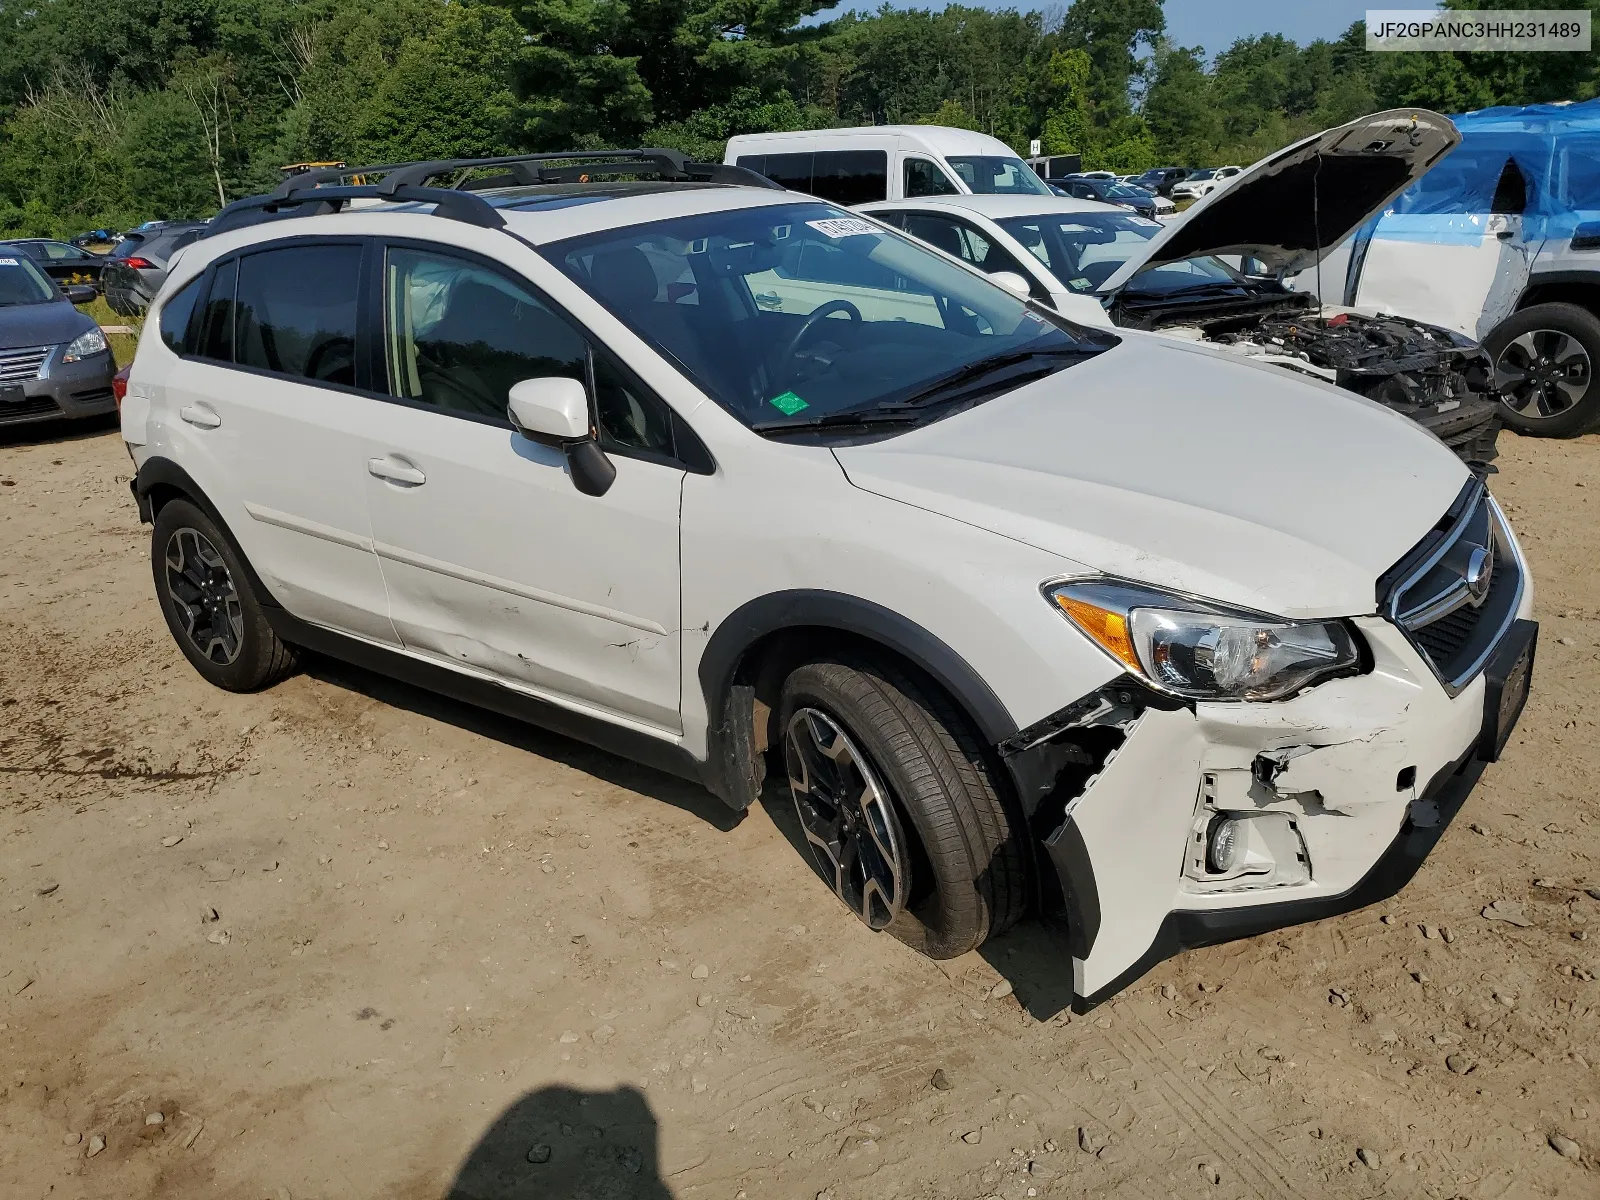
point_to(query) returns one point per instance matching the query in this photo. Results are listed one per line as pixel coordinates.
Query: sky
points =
(1217, 24)
(1213, 24)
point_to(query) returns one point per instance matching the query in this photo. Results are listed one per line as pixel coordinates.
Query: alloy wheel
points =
(204, 596)
(1543, 373)
(847, 817)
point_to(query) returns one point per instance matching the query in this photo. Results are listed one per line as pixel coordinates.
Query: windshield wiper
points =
(939, 389)
(867, 417)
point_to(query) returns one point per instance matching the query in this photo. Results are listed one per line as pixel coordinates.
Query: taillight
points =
(135, 263)
(119, 385)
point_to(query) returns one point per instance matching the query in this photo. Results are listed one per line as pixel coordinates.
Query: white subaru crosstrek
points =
(1029, 615)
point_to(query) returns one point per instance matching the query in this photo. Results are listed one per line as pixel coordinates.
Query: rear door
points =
(495, 562)
(269, 412)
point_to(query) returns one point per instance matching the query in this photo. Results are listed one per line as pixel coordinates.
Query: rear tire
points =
(902, 816)
(210, 607)
(1545, 359)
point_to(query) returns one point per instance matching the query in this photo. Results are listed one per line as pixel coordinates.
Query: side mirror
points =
(80, 293)
(555, 410)
(1012, 282)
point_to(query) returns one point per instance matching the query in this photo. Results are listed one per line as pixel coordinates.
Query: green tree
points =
(1113, 33)
(1067, 123)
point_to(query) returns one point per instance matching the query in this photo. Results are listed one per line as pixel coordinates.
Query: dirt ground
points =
(350, 941)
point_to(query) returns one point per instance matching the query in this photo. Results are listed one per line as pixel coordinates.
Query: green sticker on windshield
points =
(788, 404)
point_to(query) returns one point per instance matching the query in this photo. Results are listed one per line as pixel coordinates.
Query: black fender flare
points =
(157, 472)
(730, 747)
(1546, 279)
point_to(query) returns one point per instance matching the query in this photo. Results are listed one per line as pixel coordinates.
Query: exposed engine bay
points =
(1432, 375)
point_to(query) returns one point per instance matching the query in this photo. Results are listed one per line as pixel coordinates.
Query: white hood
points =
(1186, 468)
(1291, 208)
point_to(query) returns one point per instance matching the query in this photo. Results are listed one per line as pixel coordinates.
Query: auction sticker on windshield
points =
(842, 227)
(9, 262)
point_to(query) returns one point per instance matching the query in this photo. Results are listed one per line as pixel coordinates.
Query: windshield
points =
(1203, 173)
(1123, 192)
(784, 314)
(1083, 250)
(997, 175)
(21, 282)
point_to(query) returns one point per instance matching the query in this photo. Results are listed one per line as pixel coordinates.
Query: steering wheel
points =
(331, 358)
(784, 370)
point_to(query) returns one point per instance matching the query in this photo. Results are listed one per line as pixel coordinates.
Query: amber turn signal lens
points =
(1109, 629)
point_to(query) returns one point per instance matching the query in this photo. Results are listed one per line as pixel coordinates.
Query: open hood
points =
(1294, 206)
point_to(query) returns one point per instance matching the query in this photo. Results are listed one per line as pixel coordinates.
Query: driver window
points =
(459, 335)
(924, 178)
(296, 312)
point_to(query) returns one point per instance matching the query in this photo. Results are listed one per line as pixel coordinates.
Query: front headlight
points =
(85, 344)
(1205, 651)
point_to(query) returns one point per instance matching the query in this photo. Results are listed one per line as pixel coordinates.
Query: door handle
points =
(201, 415)
(396, 470)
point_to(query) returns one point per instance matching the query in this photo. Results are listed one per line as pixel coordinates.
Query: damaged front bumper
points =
(1337, 794)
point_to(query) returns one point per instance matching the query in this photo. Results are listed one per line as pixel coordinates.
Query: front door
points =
(494, 561)
(1454, 249)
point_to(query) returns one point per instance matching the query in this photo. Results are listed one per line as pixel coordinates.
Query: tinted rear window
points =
(296, 312)
(175, 314)
(216, 322)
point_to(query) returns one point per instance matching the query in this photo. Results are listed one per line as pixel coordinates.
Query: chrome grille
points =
(1458, 591)
(18, 365)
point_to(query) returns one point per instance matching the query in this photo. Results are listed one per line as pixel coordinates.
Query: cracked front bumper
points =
(1369, 771)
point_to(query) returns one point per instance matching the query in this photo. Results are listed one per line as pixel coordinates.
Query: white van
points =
(886, 162)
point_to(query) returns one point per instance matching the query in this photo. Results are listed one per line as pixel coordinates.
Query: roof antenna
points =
(1316, 223)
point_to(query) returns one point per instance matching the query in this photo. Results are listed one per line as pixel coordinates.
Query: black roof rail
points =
(304, 195)
(310, 200)
(565, 166)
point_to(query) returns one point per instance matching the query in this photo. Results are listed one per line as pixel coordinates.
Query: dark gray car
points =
(54, 361)
(137, 268)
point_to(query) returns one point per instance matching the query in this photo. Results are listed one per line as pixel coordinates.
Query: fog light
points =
(1224, 845)
(1233, 851)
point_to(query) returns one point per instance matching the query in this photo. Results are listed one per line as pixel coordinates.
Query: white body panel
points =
(1464, 272)
(497, 561)
(1106, 466)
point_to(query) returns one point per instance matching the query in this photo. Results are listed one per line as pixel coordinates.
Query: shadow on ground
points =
(61, 429)
(1033, 956)
(561, 1143)
(647, 781)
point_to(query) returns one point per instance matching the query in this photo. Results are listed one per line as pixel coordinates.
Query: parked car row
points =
(128, 276)
(1028, 612)
(134, 272)
(54, 361)
(1102, 259)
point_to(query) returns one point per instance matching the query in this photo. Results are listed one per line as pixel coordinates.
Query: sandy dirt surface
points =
(349, 940)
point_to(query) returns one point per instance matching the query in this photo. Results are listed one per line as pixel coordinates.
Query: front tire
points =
(1544, 367)
(211, 609)
(898, 806)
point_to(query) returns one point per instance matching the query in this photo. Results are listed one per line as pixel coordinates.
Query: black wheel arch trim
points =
(159, 472)
(1530, 298)
(731, 770)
